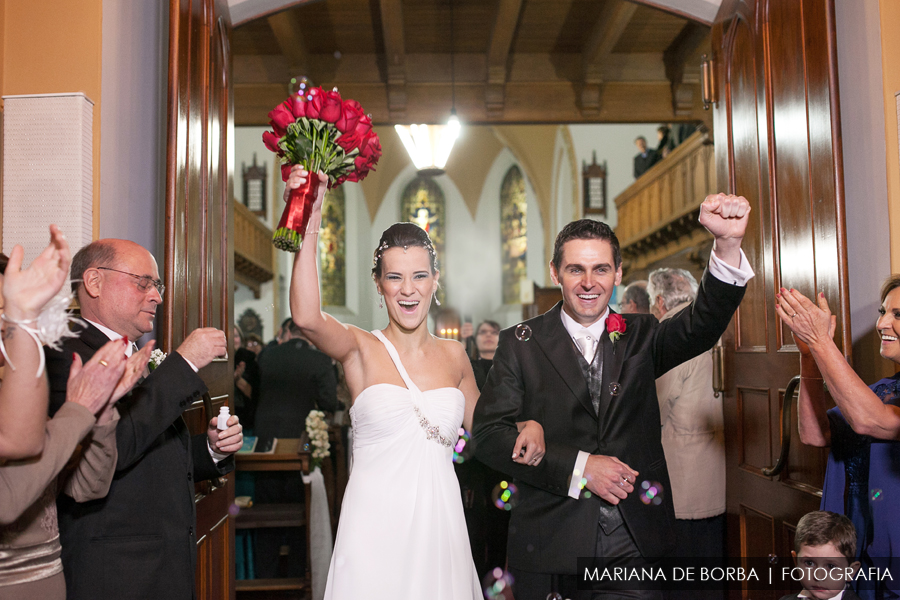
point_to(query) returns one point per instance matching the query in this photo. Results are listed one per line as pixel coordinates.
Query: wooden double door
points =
(199, 253)
(778, 143)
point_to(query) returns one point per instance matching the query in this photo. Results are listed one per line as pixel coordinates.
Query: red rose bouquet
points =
(321, 132)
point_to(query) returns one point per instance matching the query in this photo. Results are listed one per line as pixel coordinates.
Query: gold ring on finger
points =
(103, 362)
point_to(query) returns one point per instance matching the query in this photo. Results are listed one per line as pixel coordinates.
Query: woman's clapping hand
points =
(811, 324)
(26, 291)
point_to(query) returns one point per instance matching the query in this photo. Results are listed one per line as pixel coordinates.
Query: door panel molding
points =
(199, 264)
(777, 143)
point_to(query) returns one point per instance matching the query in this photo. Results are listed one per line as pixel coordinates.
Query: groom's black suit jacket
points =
(139, 541)
(540, 379)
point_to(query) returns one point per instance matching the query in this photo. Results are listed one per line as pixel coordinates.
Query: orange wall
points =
(51, 46)
(2, 37)
(890, 56)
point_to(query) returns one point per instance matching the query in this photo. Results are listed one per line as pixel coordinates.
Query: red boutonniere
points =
(615, 325)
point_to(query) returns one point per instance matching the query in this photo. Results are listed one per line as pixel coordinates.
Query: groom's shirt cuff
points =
(577, 474)
(725, 273)
(217, 457)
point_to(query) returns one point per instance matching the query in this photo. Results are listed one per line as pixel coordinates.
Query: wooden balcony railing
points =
(252, 249)
(658, 213)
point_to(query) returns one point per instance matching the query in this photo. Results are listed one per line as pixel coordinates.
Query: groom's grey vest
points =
(593, 374)
(610, 517)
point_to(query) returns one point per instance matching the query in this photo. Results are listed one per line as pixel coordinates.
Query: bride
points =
(402, 533)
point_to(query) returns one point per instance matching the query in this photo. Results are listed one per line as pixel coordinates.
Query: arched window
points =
(423, 204)
(332, 249)
(513, 229)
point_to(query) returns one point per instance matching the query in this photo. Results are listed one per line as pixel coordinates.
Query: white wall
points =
(479, 251)
(247, 142)
(134, 87)
(471, 272)
(615, 145)
(865, 175)
(564, 189)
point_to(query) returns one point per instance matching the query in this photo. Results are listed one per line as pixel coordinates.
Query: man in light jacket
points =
(693, 435)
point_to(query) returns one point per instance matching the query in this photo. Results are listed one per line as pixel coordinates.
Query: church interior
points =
(793, 105)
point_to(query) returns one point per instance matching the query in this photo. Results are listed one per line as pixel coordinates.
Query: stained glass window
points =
(332, 249)
(513, 229)
(423, 204)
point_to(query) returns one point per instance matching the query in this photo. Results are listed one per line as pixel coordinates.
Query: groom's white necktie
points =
(585, 343)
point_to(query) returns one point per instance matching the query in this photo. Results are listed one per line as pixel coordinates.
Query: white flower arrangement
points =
(318, 436)
(156, 358)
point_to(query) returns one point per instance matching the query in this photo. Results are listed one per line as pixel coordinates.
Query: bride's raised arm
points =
(327, 333)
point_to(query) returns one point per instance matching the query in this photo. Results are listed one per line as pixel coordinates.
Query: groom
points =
(588, 376)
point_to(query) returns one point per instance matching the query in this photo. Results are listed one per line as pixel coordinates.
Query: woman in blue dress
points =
(862, 479)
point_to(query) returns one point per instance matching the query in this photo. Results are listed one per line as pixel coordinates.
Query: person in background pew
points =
(635, 299)
(294, 380)
(488, 525)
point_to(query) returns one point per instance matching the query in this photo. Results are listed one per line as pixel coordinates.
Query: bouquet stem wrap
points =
(292, 226)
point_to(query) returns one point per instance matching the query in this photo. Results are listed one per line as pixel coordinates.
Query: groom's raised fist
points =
(725, 216)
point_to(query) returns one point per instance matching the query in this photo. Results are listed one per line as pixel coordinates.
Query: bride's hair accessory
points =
(49, 328)
(403, 235)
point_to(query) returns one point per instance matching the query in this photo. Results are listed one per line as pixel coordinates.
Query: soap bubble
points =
(651, 492)
(876, 495)
(234, 510)
(505, 496)
(464, 438)
(523, 332)
(497, 585)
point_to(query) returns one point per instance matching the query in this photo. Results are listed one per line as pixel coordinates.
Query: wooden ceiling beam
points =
(675, 59)
(498, 54)
(603, 38)
(395, 57)
(432, 68)
(287, 33)
(624, 102)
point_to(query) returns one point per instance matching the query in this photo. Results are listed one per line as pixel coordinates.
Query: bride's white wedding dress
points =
(402, 532)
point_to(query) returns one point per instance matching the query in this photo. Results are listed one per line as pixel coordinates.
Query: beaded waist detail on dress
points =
(432, 432)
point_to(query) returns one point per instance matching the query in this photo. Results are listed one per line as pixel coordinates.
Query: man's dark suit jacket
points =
(643, 162)
(541, 379)
(139, 541)
(294, 379)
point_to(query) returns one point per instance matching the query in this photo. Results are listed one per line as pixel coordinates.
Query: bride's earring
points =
(380, 301)
(436, 301)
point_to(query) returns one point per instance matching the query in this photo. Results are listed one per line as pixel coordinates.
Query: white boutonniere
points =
(156, 358)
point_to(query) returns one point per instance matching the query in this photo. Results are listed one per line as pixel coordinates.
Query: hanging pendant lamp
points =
(429, 146)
